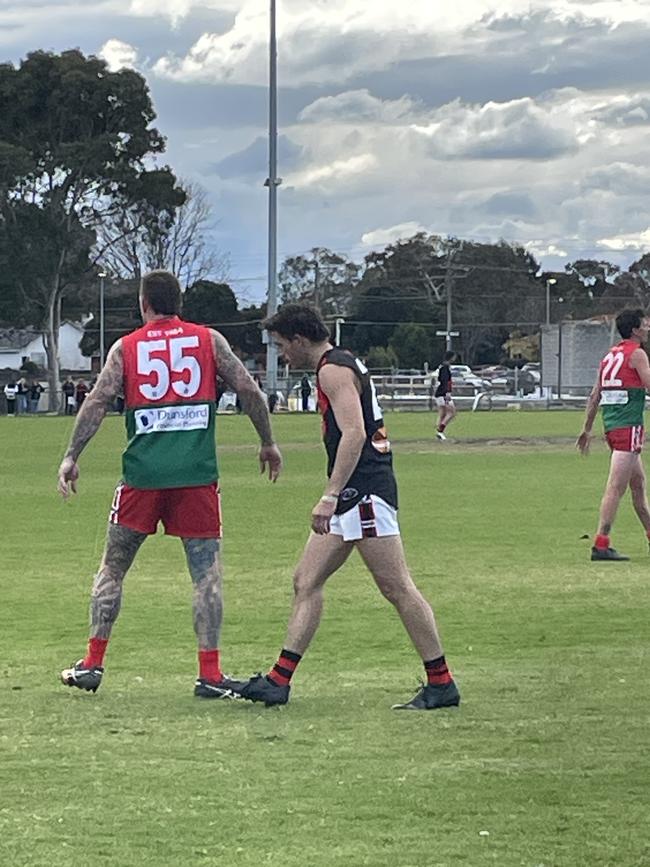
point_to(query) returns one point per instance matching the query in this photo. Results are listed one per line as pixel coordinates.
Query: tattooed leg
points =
(207, 604)
(122, 545)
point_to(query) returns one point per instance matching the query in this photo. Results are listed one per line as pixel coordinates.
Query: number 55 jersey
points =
(170, 402)
(622, 398)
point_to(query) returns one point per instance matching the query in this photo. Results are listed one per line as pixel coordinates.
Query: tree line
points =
(83, 193)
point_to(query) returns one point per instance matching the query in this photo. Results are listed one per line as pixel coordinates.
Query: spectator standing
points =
(305, 392)
(80, 393)
(11, 390)
(21, 397)
(68, 396)
(34, 393)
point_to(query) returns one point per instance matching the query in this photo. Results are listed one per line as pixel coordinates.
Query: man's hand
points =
(583, 442)
(68, 475)
(271, 456)
(322, 514)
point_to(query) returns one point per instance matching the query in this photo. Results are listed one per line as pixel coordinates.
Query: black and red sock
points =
(94, 657)
(601, 542)
(283, 670)
(209, 666)
(441, 428)
(437, 672)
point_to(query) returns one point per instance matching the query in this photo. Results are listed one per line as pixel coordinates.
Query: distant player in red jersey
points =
(358, 509)
(443, 395)
(620, 390)
(167, 371)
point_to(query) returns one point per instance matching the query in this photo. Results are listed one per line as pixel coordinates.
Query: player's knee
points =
(304, 582)
(396, 592)
(638, 487)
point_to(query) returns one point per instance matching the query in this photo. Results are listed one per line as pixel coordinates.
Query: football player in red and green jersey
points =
(167, 371)
(620, 391)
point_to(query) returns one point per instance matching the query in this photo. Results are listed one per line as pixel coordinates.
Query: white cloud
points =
(358, 106)
(337, 172)
(631, 241)
(119, 55)
(542, 249)
(177, 10)
(329, 41)
(383, 237)
(510, 130)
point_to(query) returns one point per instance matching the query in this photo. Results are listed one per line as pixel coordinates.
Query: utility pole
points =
(102, 330)
(272, 182)
(316, 284)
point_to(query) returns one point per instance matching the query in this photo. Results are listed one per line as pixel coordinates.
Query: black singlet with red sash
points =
(374, 472)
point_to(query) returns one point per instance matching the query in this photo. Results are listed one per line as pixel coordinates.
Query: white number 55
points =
(178, 363)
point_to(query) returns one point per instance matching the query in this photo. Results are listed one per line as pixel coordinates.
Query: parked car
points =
(464, 375)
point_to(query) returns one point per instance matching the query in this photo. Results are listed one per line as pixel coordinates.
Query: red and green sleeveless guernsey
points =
(622, 397)
(170, 398)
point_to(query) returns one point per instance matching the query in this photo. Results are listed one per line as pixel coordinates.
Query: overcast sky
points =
(485, 119)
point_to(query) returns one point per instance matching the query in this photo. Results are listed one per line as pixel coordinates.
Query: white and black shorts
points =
(370, 518)
(444, 400)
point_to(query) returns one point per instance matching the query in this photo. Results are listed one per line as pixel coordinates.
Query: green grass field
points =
(545, 763)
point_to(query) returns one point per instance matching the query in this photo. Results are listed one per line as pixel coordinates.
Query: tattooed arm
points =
(234, 374)
(91, 415)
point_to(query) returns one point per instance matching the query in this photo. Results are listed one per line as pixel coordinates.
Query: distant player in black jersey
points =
(444, 400)
(358, 509)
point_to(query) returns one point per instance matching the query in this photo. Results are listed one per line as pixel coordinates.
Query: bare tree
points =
(137, 241)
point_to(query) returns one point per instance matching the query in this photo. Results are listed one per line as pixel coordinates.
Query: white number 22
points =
(178, 363)
(612, 364)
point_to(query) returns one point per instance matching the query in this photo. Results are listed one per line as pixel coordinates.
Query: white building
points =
(20, 345)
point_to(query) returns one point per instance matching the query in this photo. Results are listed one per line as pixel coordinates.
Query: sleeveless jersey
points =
(170, 402)
(622, 397)
(374, 472)
(444, 381)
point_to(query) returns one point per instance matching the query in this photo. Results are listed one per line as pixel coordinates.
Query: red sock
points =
(94, 657)
(437, 671)
(601, 542)
(441, 428)
(209, 668)
(283, 670)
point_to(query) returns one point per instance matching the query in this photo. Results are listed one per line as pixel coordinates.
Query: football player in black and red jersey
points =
(358, 509)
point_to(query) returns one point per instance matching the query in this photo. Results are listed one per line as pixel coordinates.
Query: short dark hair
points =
(450, 355)
(628, 320)
(162, 292)
(293, 320)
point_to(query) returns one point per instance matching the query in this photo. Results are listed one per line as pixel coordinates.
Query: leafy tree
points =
(381, 357)
(402, 283)
(414, 280)
(323, 278)
(412, 345)
(74, 141)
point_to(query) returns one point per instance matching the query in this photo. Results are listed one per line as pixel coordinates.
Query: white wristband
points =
(329, 498)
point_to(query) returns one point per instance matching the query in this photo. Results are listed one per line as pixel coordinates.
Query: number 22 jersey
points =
(622, 397)
(170, 403)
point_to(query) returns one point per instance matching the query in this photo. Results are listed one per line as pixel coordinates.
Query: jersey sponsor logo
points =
(195, 416)
(614, 397)
(348, 494)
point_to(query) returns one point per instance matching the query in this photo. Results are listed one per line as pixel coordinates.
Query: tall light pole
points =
(102, 276)
(272, 182)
